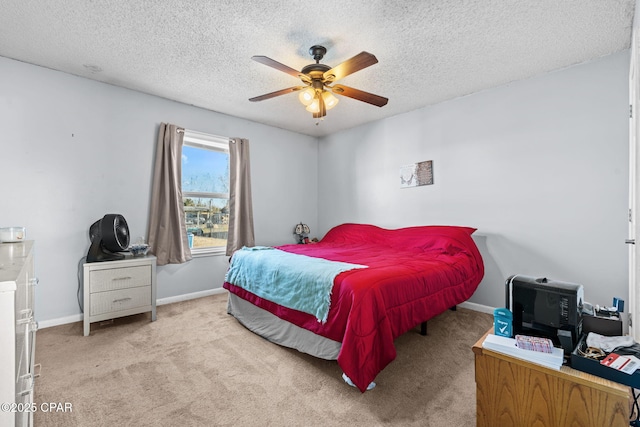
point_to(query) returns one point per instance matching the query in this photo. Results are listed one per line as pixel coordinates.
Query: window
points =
(205, 190)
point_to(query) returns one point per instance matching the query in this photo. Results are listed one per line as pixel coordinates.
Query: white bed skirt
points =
(281, 332)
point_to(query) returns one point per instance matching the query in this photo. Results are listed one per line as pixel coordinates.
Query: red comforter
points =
(414, 274)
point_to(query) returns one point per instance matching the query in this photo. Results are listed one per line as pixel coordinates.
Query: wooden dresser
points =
(17, 333)
(514, 392)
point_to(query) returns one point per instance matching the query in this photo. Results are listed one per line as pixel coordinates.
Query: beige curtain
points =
(240, 204)
(167, 228)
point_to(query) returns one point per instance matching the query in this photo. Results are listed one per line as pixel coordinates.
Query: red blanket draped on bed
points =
(414, 274)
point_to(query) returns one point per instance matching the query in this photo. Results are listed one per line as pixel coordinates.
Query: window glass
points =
(205, 190)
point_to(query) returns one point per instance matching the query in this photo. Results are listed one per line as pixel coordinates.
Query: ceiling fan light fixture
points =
(314, 107)
(307, 96)
(330, 101)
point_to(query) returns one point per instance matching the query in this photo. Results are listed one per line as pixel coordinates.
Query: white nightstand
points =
(119, 288)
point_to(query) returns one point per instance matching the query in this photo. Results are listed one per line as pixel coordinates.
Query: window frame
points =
(210, 142)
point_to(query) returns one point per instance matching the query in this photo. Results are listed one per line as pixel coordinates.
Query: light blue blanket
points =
(294, 281)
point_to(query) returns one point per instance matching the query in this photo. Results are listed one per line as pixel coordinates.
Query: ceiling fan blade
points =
(276, 93)
(350, 66)
(360, 95)
(275, 64)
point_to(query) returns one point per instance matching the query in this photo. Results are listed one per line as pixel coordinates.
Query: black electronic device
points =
(610, 326)
(545, 307)
(109, 236)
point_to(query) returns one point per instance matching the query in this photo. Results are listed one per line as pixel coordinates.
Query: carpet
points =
(197, 366)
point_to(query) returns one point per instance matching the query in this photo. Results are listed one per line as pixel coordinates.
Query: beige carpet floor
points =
(197, 366)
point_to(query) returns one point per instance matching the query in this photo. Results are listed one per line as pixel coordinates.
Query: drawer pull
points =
(26, 312)
(37, 367)
(122, 299)
(26, 317)
(121, 278)
(27, 378)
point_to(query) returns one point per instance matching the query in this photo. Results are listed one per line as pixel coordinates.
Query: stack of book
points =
(508, 346)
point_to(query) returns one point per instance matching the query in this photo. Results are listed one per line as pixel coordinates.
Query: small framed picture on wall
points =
(416, 174)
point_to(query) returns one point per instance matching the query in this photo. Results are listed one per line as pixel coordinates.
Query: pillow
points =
(428, 237)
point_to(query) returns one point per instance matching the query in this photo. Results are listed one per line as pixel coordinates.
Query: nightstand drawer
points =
(118, 300)
(119, 278)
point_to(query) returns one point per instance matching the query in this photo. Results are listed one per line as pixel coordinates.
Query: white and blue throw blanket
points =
(294, 281)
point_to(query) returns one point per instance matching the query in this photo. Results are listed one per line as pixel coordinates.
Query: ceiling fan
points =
(318, 80)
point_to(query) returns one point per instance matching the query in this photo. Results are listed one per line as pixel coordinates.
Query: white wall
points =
(73, 149)
(540, 167)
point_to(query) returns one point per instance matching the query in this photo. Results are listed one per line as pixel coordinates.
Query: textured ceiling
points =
(199, 51)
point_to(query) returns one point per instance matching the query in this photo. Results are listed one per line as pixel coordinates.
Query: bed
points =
(381, 283)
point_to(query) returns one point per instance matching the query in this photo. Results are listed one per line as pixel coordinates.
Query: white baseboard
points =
(477, 307)
(194, 295)
(60, 321)
(185, 297)
(168, 300)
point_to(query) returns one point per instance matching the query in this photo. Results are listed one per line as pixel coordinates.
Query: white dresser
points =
(119, 288)
(17, 333)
